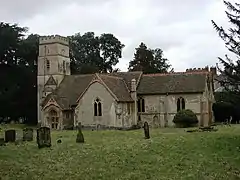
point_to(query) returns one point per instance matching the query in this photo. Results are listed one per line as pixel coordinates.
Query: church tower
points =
(53, 65)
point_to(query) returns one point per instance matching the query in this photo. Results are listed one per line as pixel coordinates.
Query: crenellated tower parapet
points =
(53, 39)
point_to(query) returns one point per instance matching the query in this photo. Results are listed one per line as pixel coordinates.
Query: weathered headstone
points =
(27, 134)
(80, 138)
(43, 137)
(146, 130)
(2, 142)
(10, 135)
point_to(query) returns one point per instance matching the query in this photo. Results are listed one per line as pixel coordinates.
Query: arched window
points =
(53, 118)
(180, 104)
(97, 107)
(141, 105)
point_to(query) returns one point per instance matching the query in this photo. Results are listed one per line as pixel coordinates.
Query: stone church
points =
(119, 99)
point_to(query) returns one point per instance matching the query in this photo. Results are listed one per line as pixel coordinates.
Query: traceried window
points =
(180, 104)
(141, 105)
(97, 107)
(53, 118)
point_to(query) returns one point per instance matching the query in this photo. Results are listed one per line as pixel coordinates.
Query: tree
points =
(111, 51)
(11, 36)
(149, 60)
(84, 53)
(160, 63)
(18, 73)
(91, 54)
(231, 38)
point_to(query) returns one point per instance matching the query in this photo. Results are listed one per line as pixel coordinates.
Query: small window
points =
(180, 104)
(64, 66)
(97, 107)
(141, 105)
(47, 64)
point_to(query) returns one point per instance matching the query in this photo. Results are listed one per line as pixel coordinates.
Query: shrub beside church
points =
(185, 118)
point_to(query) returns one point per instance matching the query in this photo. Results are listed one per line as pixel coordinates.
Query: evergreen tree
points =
(231, 37)
(149, 60)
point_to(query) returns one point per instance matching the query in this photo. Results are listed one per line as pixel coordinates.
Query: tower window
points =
(180, 104)
(64, 67)
(97, 107)
(47, 64)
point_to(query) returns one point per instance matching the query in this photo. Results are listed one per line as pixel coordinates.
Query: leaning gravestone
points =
(27, 134)
(10, 135)
(80, 138)
(43, 137)
(146, 130)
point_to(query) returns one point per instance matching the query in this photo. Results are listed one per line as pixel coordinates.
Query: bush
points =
(185, 118)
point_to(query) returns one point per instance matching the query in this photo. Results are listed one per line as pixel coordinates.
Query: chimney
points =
(133, 85)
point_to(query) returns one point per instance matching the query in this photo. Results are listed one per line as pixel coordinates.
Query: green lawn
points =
(169, 154)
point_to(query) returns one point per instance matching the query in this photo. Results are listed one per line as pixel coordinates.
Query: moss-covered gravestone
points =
(146, 130)
(80, 138)
(43, 137)
(10, 135)
(27, 134)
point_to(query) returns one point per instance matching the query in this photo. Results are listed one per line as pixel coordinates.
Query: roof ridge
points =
(130, 72)
(175, 73)
(82, 74)
(114, 77)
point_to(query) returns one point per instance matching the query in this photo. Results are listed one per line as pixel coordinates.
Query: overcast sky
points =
(182, 28)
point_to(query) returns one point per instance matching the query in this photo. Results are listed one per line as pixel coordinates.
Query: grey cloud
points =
(182, 30)
(12, 11)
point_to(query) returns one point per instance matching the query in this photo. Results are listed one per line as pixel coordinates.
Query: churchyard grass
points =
(168, 154)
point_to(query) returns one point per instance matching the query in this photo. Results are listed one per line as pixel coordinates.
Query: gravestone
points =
(10, 135)
(146, 130)
(80, 138)
(2, 142)
(27, 134)
(43, 137)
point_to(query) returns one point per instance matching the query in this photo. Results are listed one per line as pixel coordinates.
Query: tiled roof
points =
(70, 89)
(118, 87)
(119, 84)
(128, 76)
(172, 83)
